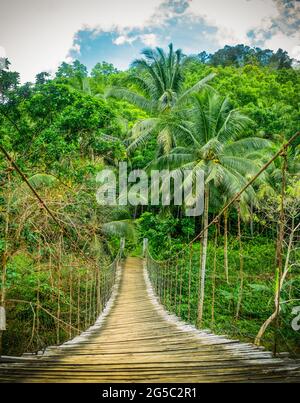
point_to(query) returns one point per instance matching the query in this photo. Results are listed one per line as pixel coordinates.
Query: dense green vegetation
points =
(227, 114)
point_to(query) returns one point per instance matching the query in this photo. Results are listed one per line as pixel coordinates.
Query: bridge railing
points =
(55, 279)
(77, 298)
(169, 280)
(218, 281)
(237, 304)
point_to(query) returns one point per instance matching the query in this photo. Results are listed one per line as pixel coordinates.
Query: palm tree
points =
(213, 144)
(158, 80)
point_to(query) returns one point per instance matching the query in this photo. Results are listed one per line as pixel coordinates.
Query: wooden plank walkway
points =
(136, 341)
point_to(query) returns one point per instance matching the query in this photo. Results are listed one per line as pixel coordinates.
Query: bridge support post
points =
(122, 245)
(145, 246)
(2, 325)
(2, 319)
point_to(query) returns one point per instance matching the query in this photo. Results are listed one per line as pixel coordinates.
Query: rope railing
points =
(220, 285)
(236, 305)
(54, 280)
(88, 293)
(167, 280)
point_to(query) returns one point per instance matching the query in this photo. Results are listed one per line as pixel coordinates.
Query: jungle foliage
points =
(226, 112)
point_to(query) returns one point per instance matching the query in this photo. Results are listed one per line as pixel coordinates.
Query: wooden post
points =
(90, 295)
(70, 300)
(78, 302)
(94, 295)
(4, 260)
(145, 246)
(122, 246)
(203, 259)
(180, 291)
(86, 300)
(165, 282)
(2, 318)
(59, 287)
(99, 307)
(38, 287)
(279, 248)
(190, 283)
(176, 285)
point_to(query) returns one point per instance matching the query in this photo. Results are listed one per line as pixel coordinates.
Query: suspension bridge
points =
(136, 340)
(127, 323)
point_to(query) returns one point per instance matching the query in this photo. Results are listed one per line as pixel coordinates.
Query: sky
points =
(37, 35)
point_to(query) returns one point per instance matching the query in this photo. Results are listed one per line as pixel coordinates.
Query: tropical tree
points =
(213, 143)
(158, 89)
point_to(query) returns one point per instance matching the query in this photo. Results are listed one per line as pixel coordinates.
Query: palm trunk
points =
(214, 278)
(240, 297)
(203, 257)
(279, 249)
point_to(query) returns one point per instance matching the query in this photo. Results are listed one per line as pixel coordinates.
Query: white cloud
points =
(2, 57)
(295, 52)
(227, 36)
(38, 34)
(282, 41)
(122, 39)
(2, 52)
(235, 17)
(149, 39)
(76, 48)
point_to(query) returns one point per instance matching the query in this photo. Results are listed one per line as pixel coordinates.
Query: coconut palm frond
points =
(139, 140)
(165, 139)
(172, 160)
(143, 126)
(233, 125)
(246, 145)
(195, 88)
(240, 164)
(131, 97)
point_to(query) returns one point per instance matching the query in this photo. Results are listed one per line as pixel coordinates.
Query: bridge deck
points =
(137, 342)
